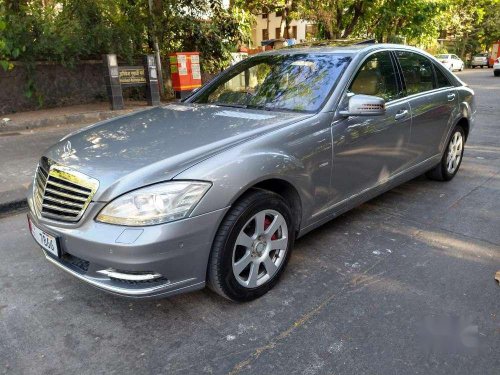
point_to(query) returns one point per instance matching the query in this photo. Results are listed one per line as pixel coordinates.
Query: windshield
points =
(295, 82)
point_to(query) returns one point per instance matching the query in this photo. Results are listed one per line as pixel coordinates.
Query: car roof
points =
(339, 48)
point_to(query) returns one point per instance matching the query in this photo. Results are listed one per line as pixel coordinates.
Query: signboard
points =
(117, 77)
(132, 75)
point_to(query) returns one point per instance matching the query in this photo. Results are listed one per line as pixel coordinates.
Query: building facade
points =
(268, 26)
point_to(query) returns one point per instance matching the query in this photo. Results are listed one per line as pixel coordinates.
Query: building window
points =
(279, 13)
(264, 15)
(311, 31)
(294, 32)
(278, 32)
(265, 34)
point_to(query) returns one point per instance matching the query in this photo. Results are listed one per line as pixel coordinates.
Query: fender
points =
(306, 166)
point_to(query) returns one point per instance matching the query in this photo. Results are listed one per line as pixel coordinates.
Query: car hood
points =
(156, 144)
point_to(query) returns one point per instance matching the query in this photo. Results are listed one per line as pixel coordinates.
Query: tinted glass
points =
(442, 80)
(376, 77)
(417, 72)
(297, 82)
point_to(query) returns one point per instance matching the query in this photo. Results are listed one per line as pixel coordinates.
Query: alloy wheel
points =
(454, 152)
(260, 248)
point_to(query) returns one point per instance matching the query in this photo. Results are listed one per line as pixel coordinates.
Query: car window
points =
(442, 80)
(376, 77)
(295, 82)
(417, 72)
(443, 57)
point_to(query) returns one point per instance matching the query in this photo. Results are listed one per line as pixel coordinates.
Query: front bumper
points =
(99, 253)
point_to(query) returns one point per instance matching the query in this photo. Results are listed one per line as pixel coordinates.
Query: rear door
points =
(432, 99)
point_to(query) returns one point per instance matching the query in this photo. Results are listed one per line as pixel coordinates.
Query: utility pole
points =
(156, 48)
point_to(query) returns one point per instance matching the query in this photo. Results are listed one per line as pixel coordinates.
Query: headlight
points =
(154, 204)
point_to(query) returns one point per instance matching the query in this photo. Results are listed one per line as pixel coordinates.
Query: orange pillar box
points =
(185, 72)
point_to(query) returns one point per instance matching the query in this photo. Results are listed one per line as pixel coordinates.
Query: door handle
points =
(401, 114)
(451, 97)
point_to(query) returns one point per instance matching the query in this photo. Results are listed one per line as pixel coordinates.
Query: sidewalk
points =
(76, 114)
(25, 136)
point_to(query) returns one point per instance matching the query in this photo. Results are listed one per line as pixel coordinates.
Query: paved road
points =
(359, 295)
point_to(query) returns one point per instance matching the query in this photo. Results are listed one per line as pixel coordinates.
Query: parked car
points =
(480, 60)
(451, 62)
(215, 190)
(496, 67)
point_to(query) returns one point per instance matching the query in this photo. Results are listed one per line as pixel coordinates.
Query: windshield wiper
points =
(230, 105)
(261, 107)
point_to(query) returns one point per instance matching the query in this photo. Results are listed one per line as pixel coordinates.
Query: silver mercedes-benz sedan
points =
(215, 190)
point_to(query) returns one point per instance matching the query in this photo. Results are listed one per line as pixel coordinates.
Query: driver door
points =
(369, 150)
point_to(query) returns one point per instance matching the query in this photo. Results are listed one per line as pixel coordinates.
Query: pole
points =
(156, 48)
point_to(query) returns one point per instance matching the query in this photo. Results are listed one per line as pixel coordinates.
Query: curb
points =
(12, 201)
(7, 208)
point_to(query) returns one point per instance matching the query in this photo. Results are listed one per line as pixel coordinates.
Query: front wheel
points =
(252, 247)
(452, 158)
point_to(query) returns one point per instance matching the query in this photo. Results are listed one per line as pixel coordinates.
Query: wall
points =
(57, 84)
(62, 86)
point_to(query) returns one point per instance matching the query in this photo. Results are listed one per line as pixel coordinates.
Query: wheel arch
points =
(281, 187)
(286, 190)
(464, 123)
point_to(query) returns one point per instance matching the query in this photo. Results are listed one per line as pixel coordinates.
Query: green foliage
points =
(203, 26)
(471, 24)
(66, 31)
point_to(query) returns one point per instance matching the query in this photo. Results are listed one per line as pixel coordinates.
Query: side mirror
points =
(364, 105)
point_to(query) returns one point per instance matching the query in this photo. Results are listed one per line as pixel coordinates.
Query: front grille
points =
(61, 193)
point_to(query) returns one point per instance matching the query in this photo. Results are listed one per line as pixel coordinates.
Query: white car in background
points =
(496, 67)
(451, 62)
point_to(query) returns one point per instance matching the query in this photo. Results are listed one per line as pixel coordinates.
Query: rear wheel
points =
(452, 158)
(252, 247)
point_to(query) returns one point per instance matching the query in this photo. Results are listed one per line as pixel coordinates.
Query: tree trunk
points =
(358, 10)
(464, 44)
(285, 20)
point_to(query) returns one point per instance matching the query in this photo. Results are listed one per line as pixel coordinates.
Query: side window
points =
(417, 72)
(376, 77)
(442, 80)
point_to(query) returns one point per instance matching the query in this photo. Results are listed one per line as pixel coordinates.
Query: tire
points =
(454, 150)
(242, 265)
(497, 73)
